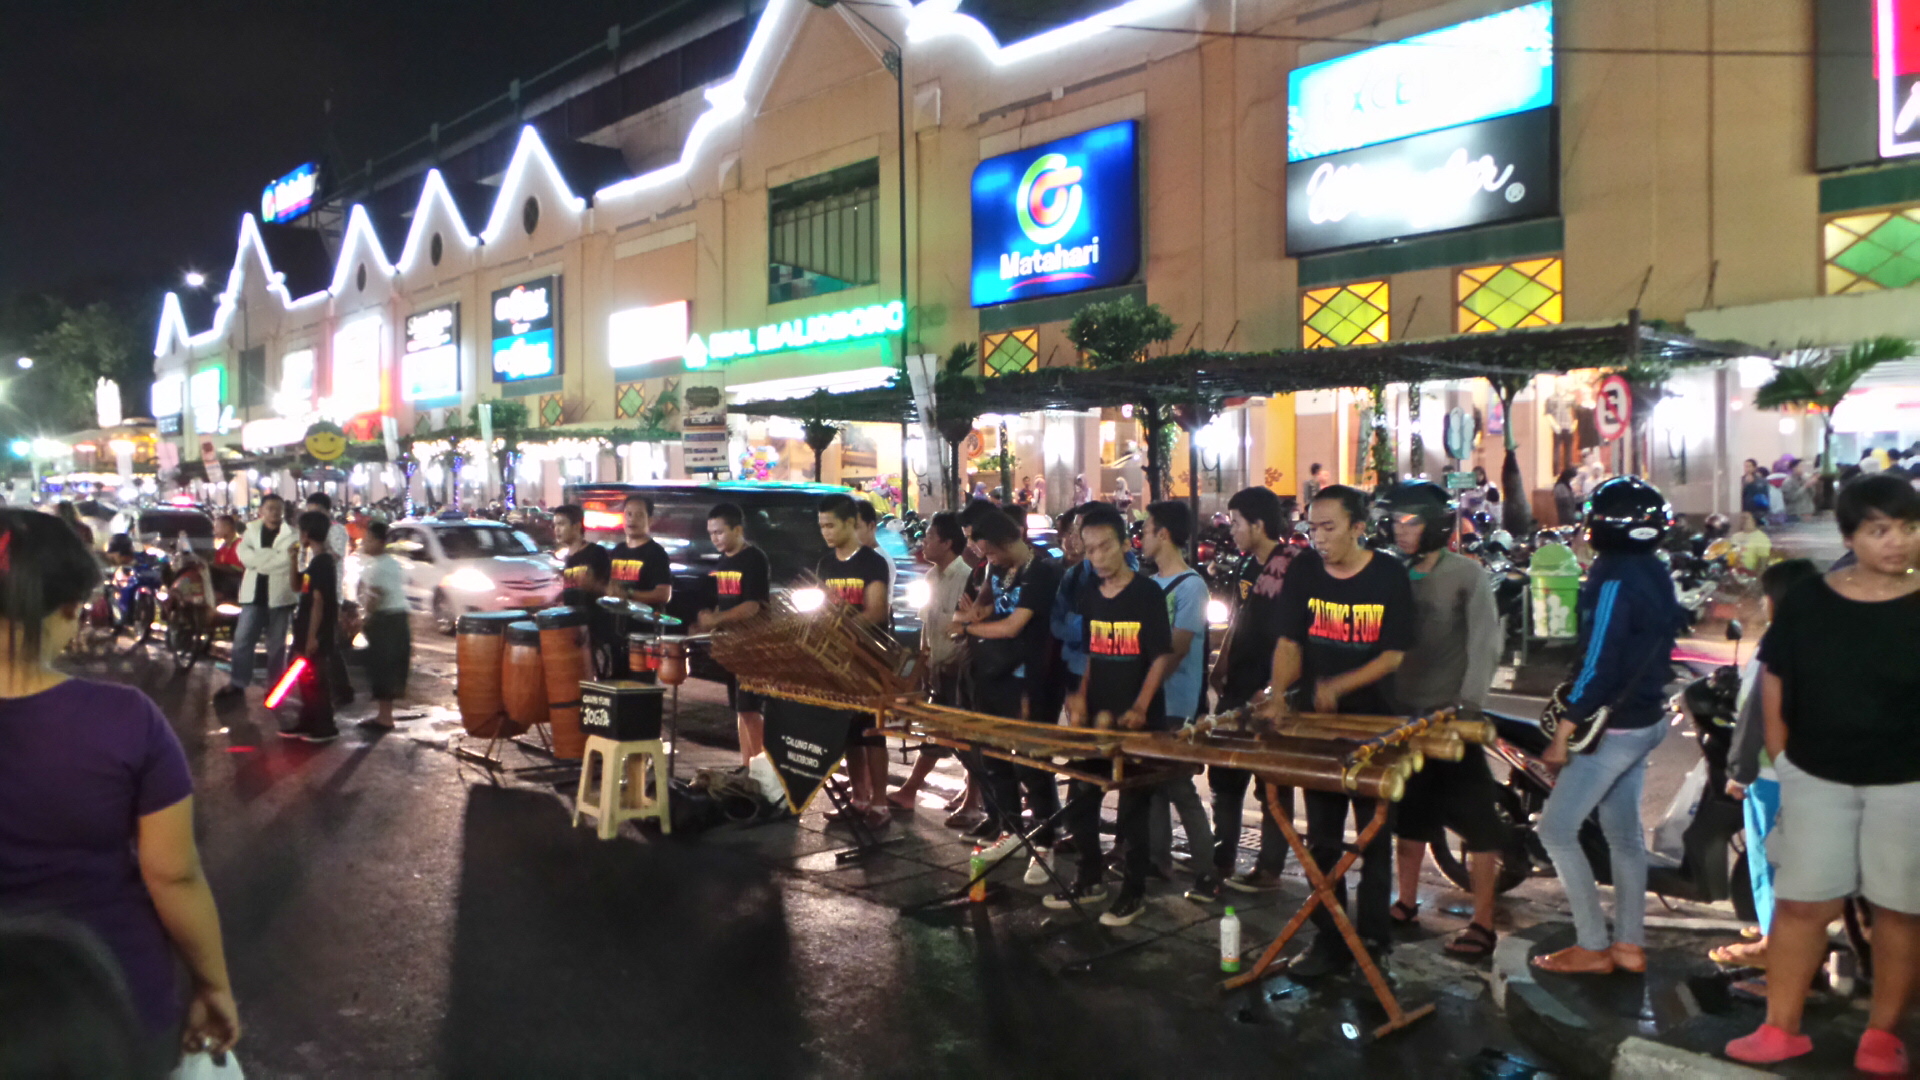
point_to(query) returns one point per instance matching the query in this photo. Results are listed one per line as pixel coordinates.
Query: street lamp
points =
(195, 279)
(25, 362)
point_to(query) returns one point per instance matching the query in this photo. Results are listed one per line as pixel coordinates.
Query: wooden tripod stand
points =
(1323, 896)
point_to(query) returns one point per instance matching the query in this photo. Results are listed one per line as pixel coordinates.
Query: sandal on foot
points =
(1745, 954)
(1574, 960)
(1473, 943)
(1403, 913)
(1768, 1045)
(1881, 1053)
(1631, 959)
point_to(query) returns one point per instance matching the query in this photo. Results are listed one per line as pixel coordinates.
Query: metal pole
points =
(1193, 468)
(900, 109)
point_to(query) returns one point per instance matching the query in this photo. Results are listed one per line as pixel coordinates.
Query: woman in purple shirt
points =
(96, 804)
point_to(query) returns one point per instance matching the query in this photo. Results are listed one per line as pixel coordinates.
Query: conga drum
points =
(643, 657)
(524, 690)
(479, 648)
(673, 664)
(568, 661)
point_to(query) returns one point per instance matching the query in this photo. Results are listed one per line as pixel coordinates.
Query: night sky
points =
(134, 133)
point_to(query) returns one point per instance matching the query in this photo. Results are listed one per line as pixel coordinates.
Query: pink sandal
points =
(1769, 1045)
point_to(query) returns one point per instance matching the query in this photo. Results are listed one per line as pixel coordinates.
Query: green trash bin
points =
(1556, 592)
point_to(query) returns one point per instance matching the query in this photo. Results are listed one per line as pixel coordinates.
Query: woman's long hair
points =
(43, 567)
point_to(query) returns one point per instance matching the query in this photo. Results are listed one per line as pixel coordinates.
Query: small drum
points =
(673, 665)
(643, 657)
(480, 648)
(568, 660)
(524, 688)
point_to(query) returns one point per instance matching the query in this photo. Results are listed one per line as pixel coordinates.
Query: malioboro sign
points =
(850, 325)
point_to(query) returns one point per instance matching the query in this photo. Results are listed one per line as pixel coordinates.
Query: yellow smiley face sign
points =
(326, 442)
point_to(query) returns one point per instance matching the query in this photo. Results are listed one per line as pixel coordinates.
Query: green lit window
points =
(1866, 252)
(1509, 295)
(1353, 314)
(1010, 352)
(821, 233)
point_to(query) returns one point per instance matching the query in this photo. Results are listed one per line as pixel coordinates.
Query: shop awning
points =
(1213, 377)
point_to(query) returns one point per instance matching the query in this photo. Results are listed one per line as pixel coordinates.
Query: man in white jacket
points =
(267, 596)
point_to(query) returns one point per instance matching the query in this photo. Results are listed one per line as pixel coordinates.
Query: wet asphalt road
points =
(390, 910)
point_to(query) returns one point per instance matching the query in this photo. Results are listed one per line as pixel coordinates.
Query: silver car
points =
(455, 566)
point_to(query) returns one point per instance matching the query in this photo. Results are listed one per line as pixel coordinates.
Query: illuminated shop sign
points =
(168, 393)
(291, 195)
(1471, 71)
(1896, 70)
(804, 333)
(356, 369)
(207, 396)
(430, 359)
(1056, 218)
(1477, 174)
(526, 330)
(648, 335)
(295, 395)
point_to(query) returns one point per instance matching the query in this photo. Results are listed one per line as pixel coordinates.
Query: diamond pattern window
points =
(1010, 352)
(1506, 296)
(1868, 252)
(1352, 314)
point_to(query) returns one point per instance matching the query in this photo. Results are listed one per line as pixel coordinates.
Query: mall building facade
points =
(1273, 175)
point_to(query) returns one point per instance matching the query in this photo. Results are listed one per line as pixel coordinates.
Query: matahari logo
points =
(1048, 202)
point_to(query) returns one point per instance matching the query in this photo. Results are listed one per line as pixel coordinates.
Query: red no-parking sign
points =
(1613, 410)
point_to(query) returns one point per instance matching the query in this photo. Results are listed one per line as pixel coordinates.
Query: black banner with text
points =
(806, 743)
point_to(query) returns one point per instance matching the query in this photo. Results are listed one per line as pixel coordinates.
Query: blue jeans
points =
(246, 634)
(1611, 779)
(1762, 807)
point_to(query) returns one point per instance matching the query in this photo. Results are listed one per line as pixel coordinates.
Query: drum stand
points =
(1323, 896)
(493, 763)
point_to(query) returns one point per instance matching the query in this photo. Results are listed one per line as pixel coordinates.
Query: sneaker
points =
(1001, 848)
(985, 829)
(964, 819)
(1206, 890)
(1126, 908)
(1327, 955)
(1077, 893)
(1255, 881)
(320, 735)
(1037, 870)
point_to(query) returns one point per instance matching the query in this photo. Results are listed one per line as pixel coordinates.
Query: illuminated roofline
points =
(727, 101)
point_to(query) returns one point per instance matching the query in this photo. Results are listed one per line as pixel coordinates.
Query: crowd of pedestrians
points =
(1359, 607)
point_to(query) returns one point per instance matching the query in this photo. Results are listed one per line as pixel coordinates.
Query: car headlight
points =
(468, 579)
(919, 594)
(808, 599)
(1217, 613)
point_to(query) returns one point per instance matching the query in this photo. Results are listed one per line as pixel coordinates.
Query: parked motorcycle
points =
(1699, 850)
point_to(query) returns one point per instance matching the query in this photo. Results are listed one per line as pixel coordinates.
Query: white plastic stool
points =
(607, 806)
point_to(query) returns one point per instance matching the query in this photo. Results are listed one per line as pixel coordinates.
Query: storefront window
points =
(1010, 352)
(1509, 295)
(1351, 314)
(1867, 252)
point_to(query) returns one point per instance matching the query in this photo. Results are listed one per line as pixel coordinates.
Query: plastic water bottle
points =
(977, 871)
(1230, 942)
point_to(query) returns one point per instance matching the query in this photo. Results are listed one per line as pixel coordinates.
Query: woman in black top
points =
(1841, 701)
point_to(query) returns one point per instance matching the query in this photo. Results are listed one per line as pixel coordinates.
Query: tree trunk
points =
(1516, 514)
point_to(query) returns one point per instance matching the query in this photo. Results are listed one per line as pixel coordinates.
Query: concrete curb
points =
(1638, 1058)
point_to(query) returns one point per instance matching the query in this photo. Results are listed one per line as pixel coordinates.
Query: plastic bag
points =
(205, 1066)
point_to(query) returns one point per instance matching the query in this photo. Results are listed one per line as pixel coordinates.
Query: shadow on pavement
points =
(572, 956)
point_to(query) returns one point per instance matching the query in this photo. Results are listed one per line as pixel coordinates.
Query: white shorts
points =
(1836, 840)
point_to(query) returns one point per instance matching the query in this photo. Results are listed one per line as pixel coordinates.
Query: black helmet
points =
(1432, 503)
(1627, 514)
(121, 544)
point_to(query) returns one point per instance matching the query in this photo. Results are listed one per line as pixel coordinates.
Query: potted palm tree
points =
(1820, 379)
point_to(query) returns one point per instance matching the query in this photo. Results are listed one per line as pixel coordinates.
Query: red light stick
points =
(279, 691)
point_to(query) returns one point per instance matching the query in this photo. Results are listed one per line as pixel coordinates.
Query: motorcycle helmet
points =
(1431, 503)
(1627, 514)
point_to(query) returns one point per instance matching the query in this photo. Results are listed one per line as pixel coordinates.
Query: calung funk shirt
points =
(1344, 623)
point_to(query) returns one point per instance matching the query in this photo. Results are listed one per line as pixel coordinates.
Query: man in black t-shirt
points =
(1259, 526)
(741, 586)
(1346, 622)
(1129, 642)
(640, 570)
(315, 630)
(1010, 662)
(585, 566)
(859, 577)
